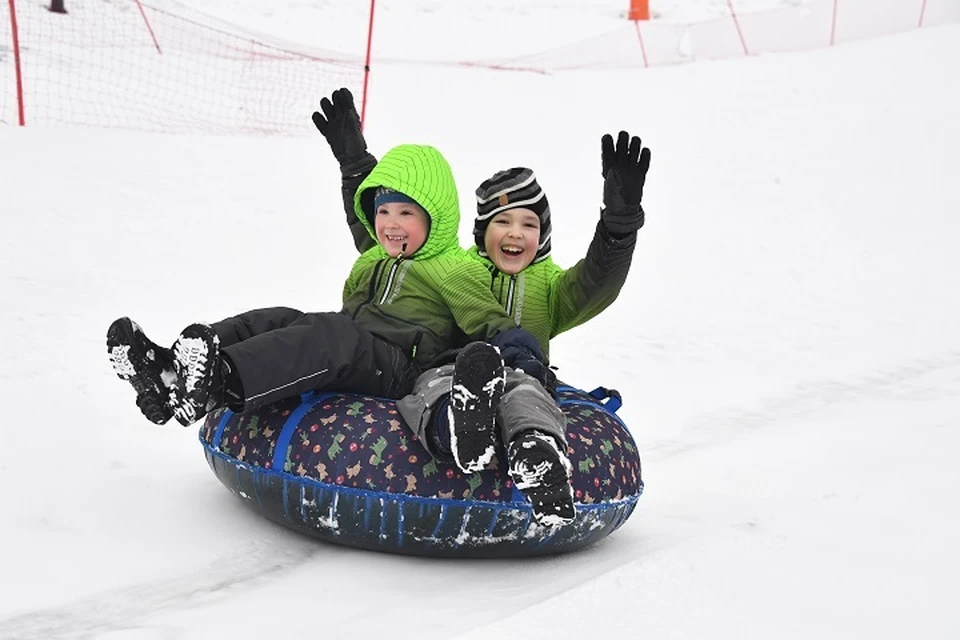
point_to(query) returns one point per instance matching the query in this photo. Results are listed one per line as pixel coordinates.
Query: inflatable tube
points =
(344, 469)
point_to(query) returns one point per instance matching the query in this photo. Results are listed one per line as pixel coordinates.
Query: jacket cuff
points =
(358, 167)
(614, 240)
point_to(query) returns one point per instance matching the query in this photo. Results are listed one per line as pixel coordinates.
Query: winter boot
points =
(197, 362)
(146, 366)
(437, 431)
(541, 471)
(476, 391)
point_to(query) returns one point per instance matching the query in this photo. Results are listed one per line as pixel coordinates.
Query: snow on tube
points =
(343, 468)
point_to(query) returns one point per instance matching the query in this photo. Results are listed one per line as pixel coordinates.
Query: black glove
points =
(340, 125)
(624, 173)
(520, 350)
(531, 366)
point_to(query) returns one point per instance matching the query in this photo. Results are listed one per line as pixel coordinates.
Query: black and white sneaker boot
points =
(476, 391)
(147, 367)
(542, 472)
(196, 360)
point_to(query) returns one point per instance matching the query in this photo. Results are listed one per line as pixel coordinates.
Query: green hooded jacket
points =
(547, 300)
(433, 299)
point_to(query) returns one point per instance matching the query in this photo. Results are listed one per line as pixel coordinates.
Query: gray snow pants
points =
(525, 405)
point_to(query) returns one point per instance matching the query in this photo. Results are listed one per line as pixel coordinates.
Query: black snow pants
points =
(280, 352)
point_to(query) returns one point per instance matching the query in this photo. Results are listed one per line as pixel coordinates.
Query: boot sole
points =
(121, 336)
(478, 384)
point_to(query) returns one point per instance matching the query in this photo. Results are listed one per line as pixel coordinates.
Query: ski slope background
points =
(787, 344)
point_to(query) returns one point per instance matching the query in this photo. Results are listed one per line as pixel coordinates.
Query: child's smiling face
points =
(401, 227)
(512, 238)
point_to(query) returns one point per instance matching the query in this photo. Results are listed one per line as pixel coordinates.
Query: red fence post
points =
(833, 24)
(366, 67)
(153, 37)
(643, 49)
(736, 23)
(16, 62)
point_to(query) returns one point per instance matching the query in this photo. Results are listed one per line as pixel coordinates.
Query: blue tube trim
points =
(286, 433)
(464, 521)
(303, 503)
(595, 405)
(218, 434)
(383, 519)
(443, 516)
(493, 521)
(400, 526)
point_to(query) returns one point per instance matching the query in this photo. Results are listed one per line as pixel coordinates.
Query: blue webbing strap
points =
(613, 398)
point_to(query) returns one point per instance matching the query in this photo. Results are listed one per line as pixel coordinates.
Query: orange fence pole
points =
(639, 9)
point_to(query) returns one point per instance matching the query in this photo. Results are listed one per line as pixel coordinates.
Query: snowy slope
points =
(786, 344)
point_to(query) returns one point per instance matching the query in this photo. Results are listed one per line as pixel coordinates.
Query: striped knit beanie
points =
(512, 189)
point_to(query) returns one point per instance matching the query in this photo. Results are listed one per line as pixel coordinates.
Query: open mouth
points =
(511, 251)
(393, 238)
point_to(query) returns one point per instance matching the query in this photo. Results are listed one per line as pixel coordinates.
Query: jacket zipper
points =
(494, 277)
(390, 278)
(510, 294)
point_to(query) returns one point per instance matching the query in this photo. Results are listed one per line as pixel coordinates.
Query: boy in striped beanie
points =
(511, 195)
(512, 236)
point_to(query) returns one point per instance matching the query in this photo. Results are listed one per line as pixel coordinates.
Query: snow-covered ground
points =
(788, 346)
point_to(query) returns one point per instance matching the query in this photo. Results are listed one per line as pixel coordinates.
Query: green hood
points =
(418, 171)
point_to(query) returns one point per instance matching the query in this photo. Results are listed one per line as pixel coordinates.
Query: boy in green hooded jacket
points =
(450, 408)
(409, 297)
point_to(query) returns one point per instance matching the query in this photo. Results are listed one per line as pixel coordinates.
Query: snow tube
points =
(344, 469)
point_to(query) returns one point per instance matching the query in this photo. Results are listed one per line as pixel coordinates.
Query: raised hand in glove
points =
(340, 125)
(624, 173)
